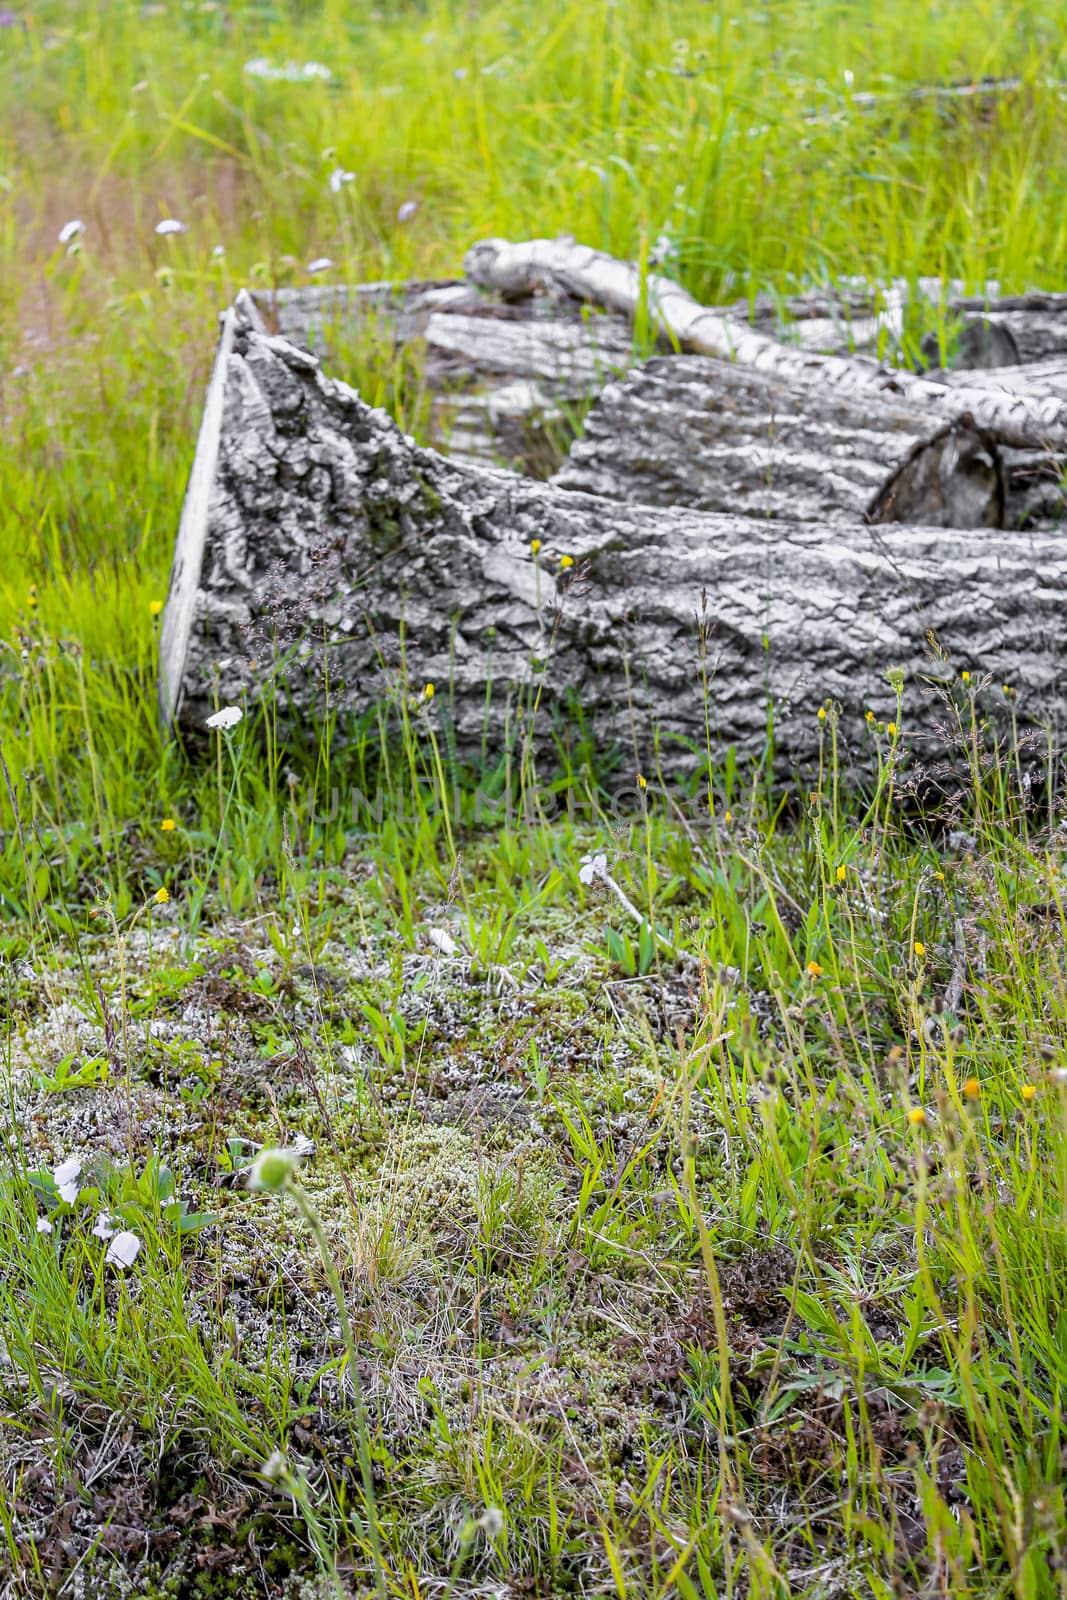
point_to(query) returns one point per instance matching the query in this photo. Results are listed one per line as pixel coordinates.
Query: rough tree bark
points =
(336, 550)
(693, 431)
(1027, 421)
(506, 381)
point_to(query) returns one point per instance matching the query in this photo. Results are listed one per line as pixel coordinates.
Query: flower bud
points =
(271, 1170)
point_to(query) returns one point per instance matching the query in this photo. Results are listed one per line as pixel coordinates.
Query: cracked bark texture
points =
(509, 377)
(508, 381)
(335, 548)
(1025, 421)
(693, 431)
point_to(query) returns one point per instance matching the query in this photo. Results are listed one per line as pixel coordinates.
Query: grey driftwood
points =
(337, 564)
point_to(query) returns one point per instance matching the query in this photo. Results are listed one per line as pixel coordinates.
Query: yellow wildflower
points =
(727, 816)
(161, 897)
(155, 607)
(869, 715)
(917, 1116)
(1028, 1092)
(642, 781)
(891, 729)
(842, 873)
(814, 970)
(566, 561)
(168, 824)
(429, 692)
(535, 546)
(972, 1089)
(920, 949)
(821, 713)
(966, 677)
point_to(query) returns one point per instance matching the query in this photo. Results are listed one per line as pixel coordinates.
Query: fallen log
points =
(854, 315)
(693, 431)
(332, 564)
(1028, 421)
(507, 381)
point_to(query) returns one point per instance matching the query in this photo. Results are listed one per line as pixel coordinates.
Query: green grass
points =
(751, 1266)
(717, 1260)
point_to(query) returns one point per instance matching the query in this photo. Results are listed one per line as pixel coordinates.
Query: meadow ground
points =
(728, 1258)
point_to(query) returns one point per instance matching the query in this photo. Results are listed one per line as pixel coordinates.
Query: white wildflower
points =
(104, 1226)
(593, 867)
(407, 211)
(219, 251)
(66, 1179)
(123, 1249)
(291, 72)
(338, 178)
(275, 1467)
(170, 225)
(70, 230)
(228, 717)
(43, 1225)
(320, 264)
(491, 1522)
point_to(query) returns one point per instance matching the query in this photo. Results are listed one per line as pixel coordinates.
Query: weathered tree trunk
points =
(1028, 421)
(506, 380)
(506, 383)
(339, 564)
(693, 431)
(855, 315)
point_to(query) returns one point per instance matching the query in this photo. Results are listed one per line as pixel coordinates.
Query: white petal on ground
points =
(320, 264)
(70, 230)
(170, 225)
(123, 1249)
(407, 211)
(443, 942)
